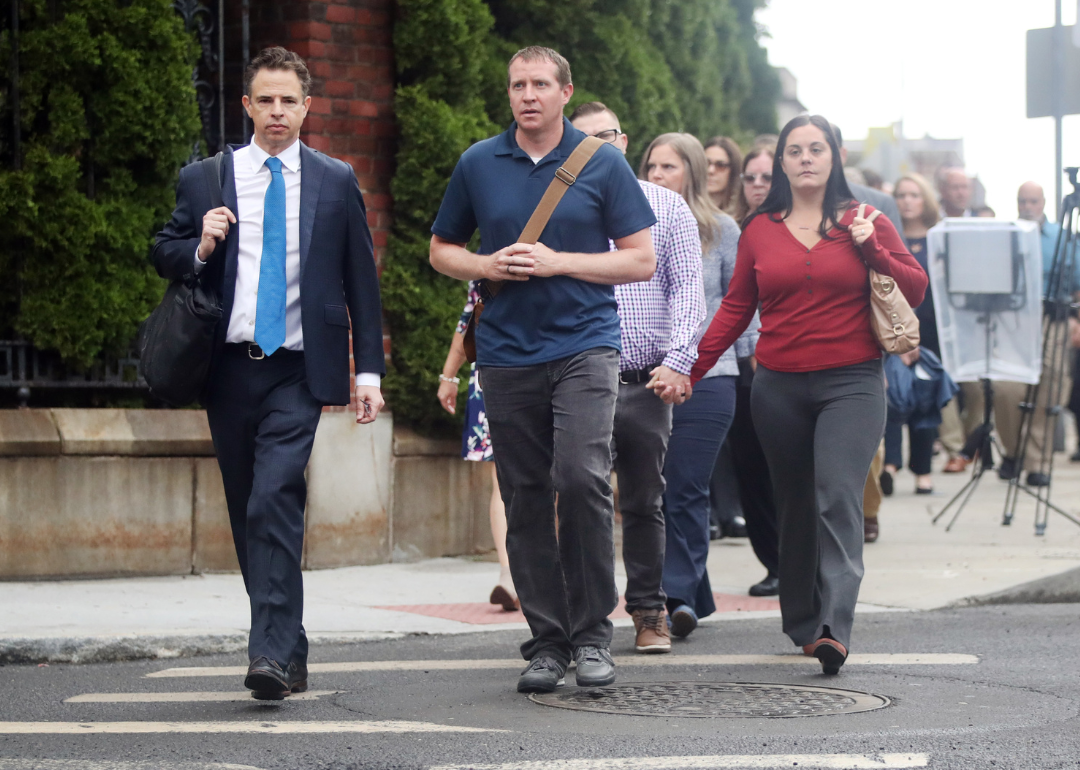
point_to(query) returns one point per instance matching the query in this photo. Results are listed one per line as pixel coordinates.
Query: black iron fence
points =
(25, 368)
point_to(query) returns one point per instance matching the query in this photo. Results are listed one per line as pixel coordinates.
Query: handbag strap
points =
(861, 213)
(565, 176)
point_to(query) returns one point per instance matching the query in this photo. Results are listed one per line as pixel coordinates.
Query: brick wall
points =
(347, 45)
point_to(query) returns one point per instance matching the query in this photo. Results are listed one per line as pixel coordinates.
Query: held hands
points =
(369, 402)
(669, 385)
(861, 229)
(215, 228)
(519, 261)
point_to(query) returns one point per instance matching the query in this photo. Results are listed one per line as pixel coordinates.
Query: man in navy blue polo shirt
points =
(548, 354)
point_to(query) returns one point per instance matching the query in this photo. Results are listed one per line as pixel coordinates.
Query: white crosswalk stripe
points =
(262, 728)
(91, 764)
(184, 697)
(846, 761)
(636, 661)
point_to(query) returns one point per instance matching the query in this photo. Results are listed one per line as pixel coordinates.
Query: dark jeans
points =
(820, 431)
(698, 428)
(263, 419)
(551, 426)
(639, 443)
(755, 483)
(920, 449)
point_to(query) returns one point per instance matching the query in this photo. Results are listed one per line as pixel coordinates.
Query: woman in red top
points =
(819, 395)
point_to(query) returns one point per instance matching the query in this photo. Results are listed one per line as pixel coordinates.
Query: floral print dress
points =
(476, 439)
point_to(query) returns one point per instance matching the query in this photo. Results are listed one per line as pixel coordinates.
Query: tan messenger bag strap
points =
(565, 176)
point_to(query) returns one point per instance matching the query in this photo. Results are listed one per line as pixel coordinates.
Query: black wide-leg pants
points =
(263, 420)
(820, 431)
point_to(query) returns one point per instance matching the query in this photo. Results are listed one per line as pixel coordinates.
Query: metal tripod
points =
(1055, 358)
(981, 440)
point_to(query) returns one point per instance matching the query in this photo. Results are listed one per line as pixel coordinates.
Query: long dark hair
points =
(838, 195)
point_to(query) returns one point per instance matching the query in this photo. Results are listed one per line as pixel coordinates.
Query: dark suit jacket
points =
(337, 267)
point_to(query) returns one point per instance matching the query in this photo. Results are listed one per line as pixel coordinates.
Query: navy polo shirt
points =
(496, 187)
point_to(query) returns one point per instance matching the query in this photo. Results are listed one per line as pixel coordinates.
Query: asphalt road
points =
(1013, 705)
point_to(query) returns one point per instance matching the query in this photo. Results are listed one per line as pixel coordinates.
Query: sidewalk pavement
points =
(914, 566)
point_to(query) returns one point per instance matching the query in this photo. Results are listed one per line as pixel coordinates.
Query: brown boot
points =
(651, 631)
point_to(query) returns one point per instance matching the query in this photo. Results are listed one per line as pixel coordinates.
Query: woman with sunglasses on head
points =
(724, 159)
(818, 397)
(677, 162)
(755, 182)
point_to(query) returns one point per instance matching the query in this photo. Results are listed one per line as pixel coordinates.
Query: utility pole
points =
(1058, 86)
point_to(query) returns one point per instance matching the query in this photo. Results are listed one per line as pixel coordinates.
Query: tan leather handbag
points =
(894, 322)
(565, 176)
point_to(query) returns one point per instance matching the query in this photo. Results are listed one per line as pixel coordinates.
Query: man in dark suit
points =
(291, 256)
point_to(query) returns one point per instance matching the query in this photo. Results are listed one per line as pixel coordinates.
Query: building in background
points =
(788, 105)
(888, 152)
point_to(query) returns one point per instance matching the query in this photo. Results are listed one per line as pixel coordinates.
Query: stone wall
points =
(111, 492)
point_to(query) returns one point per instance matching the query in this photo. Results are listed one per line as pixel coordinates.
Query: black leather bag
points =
(176, 342)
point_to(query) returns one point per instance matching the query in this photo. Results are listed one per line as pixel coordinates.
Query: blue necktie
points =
(270, 307)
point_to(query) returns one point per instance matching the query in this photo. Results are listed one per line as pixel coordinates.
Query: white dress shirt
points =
(252, 178)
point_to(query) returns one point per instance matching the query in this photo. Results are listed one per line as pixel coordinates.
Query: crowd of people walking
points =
(614, 323)
(802, 389)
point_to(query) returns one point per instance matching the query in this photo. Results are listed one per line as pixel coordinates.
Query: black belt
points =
(255, 353)
(635, 376)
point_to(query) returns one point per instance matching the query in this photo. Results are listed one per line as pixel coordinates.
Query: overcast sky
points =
(947, 68)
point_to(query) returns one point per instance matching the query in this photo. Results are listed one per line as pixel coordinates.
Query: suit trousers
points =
(263, 420)
(551, 425)
(698, 429)
(820, 431)
(639, 445)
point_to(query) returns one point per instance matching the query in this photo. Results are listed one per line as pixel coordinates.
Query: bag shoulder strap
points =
(565, 177)
(212, 168)
(861, 212)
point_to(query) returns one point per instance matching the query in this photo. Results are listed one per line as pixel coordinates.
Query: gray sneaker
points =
(543, 674)
(595, 668)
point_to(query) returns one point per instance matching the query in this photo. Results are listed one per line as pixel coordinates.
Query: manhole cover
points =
(712, 699)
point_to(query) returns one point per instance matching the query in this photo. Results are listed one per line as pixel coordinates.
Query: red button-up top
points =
(815, 303)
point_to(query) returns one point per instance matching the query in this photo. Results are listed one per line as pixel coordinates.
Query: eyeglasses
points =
(719, 165)
(752, 178)
(609, 136)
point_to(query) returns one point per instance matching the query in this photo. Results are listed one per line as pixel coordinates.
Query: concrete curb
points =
(1063, 588)
(112, 649)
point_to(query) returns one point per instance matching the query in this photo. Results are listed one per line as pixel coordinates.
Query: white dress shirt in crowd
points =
(252, 178)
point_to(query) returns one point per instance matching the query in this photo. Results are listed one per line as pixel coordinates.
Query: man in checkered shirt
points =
(659, 323)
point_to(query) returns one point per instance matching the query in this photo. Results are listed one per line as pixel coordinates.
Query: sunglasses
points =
(752, 178)
(719, 165)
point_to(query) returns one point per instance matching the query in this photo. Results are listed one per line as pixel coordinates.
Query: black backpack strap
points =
(212, 169)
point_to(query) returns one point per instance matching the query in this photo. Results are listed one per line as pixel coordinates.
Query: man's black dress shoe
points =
(1007, 470)
(770, 586)
(297, 674)
(266, 680)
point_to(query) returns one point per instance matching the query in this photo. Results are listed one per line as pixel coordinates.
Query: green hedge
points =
(662, 65)
(107, 115)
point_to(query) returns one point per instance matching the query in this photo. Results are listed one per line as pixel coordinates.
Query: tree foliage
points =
(662, 65)
(107, 114)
